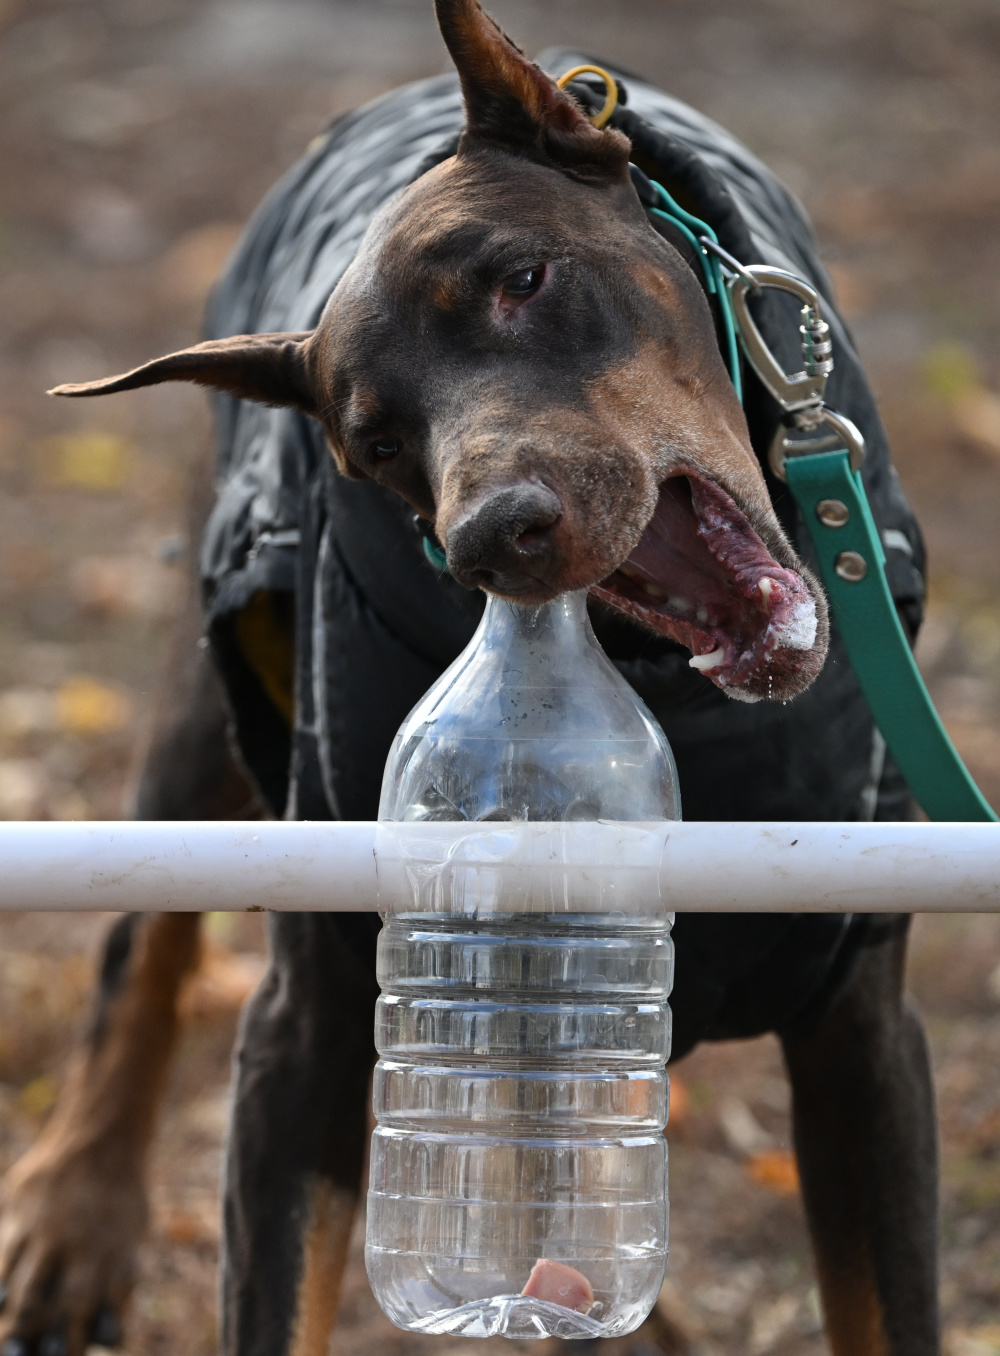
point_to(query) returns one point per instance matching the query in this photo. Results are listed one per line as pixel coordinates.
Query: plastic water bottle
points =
(518, 1168)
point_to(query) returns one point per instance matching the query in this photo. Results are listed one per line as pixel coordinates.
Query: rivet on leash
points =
(851, 566)
(833, 513)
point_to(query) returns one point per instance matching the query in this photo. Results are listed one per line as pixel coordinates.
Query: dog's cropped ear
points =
(511, 103)
(271, 369)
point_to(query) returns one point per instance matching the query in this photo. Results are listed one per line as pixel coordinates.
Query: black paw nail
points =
(53, 1344)
(13, 1346)
(106, 1330)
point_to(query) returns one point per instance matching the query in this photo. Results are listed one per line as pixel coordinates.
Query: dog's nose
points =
(506, 541)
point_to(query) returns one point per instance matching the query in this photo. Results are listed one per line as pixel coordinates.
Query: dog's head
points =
(518, 353)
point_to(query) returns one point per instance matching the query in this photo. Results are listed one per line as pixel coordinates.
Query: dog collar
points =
(710, 254)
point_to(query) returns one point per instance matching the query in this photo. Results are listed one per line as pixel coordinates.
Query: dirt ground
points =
(135, 137)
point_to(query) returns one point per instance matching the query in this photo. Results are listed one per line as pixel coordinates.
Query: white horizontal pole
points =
(684, 867)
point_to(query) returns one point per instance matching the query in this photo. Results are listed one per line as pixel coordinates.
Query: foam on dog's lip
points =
(798, 628)
(701, 575)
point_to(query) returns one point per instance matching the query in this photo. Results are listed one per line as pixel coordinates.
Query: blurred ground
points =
(135, 136)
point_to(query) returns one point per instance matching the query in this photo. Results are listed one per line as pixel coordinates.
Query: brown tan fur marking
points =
(325, 1247)
(855, 1322)
(75, 1204)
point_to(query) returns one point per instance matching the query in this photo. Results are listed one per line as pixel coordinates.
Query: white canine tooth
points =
(702, 662)
(653, 590)
(678, 603)
(702, 615)
(629, 571)
(765, 586)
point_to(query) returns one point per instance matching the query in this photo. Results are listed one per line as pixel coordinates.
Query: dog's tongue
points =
(704, 546)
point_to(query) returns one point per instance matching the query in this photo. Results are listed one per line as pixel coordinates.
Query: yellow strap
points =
(611, 85)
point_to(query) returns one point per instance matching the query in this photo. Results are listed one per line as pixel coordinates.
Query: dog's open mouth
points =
(702, 576)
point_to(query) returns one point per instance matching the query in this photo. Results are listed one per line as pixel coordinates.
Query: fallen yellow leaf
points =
(776, 1171)
(950, 371)
(38, 1097)
(85, 706)
(88, 461)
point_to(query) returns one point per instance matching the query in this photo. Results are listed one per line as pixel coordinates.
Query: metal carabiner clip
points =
(844, 433)
(800, 394)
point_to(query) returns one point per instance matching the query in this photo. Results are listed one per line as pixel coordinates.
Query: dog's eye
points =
(386, 448)
(522, 284)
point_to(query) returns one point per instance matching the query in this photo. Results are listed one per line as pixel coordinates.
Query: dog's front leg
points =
(867, 1150)
(299, 1134)
(75, 1205)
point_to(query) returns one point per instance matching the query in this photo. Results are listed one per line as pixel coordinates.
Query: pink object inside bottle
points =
(559, 1284)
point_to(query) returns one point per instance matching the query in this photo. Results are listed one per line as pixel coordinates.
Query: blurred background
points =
(135, 138)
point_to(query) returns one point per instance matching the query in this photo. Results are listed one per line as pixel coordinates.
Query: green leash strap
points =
(833, 504)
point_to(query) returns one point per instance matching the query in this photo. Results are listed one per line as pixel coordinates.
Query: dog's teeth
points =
(765, 586)
(702, 615)
(678, 603)
(629, 571)
(653, 590)
(702, 662)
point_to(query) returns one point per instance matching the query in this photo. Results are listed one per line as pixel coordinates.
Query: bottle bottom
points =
(514, 1316)
(424, 1293)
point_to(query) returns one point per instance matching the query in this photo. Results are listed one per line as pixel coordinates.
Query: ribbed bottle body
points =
(518, 1168)
(520, 1098)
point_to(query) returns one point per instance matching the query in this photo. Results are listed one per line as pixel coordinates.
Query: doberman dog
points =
(504, 355)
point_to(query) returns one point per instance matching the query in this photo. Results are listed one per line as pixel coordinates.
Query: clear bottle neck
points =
(531, 722)
(552, 645)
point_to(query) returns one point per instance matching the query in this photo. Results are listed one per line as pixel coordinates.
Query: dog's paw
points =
(71, 1220)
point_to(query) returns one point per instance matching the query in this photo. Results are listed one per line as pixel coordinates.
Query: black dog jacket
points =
(375, 623)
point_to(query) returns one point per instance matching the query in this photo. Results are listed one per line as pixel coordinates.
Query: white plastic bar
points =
(689, 867)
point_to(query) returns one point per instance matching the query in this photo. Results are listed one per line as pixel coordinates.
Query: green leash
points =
(835, 508)
(819, 453)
